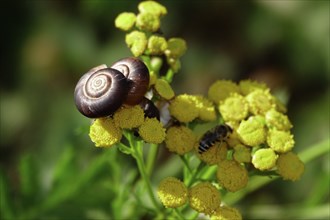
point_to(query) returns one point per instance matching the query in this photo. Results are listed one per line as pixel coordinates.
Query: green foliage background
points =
(50, 169)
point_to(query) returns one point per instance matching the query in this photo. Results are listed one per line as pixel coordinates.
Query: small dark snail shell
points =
(137, 75)
(100, 92)
(149, 108)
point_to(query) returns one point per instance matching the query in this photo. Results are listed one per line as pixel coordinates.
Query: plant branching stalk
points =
(152, 155)
(138, 155)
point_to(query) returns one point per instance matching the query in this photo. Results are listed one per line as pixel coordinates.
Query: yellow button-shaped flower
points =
(104, 133)
(184, 108)
(252, 131)
(180, 139)
(264, 159)
(152, 131)
(129, 117)
(221, 89)
(204, 198)
(231, 175)
(289, 166)
(226, 213)
(234, 108)
(172, 192)
(280, 141)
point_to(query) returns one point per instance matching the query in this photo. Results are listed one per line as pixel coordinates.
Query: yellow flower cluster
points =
(203, 197)
(172, 192)
(105, 132)
(258, 120)
(143, 37)
(186, 108)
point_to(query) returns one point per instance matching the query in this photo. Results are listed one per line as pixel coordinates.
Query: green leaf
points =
(6, 211)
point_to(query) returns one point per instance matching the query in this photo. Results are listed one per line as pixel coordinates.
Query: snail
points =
(102, 90)
(149, 108)
(137, 75)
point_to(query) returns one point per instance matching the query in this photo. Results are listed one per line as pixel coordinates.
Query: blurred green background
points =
(51, 170)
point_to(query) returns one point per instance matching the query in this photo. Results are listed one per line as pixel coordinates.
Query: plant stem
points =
(138, 155)
(152, 154)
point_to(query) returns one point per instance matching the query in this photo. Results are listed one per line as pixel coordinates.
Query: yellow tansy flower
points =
(252, 131)
(264, 159)
(260, 101)
(231, 175)
(206, 110)
(183, 108)
(152, 131)
(172, 192)
(247, 86)
(234, 108)
(129, 117)
(164, 89)
(180, 139)
(280, 141)
(221, 89)
(226, 213)
(242, 154)
(214, 154)
(204, 198)
(289, 166)
(277, 120)
(104, 133)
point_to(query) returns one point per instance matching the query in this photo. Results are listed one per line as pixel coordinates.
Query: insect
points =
(217, 134)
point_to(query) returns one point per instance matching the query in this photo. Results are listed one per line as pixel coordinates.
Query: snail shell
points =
(137, 75)
(149, 108)
(100, 92)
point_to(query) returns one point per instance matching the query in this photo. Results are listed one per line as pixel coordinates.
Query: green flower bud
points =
(157, 45)
(137, 42)
(148, 22)
(176, 47)
(125, 21)
(175, 64)
(264, 159)
(280, 141)
(164, 89)
(242, 154)
(252, 131)
(152, 7)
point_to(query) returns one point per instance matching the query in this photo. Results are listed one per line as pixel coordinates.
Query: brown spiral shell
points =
(100, 92)
(137, 75)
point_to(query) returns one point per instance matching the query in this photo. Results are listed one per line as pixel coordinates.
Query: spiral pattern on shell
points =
(100, 92)
(137, 75)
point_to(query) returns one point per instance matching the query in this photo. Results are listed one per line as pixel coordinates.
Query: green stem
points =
(169, 75)
(152, 155)
(138, 155)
